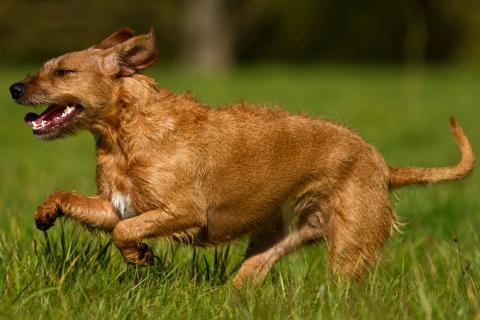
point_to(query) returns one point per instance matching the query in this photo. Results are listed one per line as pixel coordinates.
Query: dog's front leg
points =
(95, 211)
(129, 234)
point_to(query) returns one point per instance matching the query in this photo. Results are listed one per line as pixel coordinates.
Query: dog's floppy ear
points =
(128, 57)
(119, 36)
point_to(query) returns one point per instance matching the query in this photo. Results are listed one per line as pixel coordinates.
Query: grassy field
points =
(431, 270)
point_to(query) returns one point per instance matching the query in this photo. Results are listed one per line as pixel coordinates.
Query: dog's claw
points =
(46, 223)
(142, 256)
(46, 215)
(146, 255)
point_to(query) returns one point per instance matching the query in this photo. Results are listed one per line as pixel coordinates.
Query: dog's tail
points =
(404, 176)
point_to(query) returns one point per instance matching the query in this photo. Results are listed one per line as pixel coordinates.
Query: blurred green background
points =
(220, 33)
(392, 70)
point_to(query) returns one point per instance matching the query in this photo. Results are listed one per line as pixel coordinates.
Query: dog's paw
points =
(45, 217)
(47, 213)
(142, 255)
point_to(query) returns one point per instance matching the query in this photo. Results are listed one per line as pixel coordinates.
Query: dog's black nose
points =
(17, 90)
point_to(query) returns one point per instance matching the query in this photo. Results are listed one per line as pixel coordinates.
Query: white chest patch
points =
(122, 203)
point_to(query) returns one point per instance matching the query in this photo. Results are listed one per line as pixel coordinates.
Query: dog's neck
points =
(141, 111)
(132, 93)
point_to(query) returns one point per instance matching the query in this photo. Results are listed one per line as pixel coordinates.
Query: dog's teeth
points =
(44, 123)
(68, 109)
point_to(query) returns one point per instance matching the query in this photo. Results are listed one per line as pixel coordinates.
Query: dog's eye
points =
(62, 72)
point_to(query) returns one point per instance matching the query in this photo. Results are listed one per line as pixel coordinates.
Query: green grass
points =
(72, 273)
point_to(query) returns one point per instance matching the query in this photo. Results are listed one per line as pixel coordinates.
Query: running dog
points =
(170, 166)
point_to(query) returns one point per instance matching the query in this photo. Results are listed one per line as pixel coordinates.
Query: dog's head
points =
(79, 87)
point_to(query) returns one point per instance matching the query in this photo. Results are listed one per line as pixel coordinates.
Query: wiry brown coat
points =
(168, 166)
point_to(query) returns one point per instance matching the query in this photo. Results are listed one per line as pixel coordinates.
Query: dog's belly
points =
(223, 227)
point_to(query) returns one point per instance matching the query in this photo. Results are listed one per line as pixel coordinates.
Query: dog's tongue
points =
(51, 111)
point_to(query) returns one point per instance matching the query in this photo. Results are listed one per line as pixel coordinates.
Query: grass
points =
(431, 270)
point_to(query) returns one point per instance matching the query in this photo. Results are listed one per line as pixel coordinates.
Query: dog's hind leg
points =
(362, 223)
(129, 234)
(265, 249)
(265, 237)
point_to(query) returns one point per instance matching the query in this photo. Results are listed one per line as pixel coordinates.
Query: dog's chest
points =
(115, 185)
(123, 204)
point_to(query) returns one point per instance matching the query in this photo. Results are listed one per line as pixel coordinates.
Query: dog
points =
(169, 166)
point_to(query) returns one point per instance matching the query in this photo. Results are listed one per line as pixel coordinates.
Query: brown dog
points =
(168, 166)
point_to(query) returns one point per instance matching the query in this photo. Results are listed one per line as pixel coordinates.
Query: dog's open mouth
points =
(54, 117)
